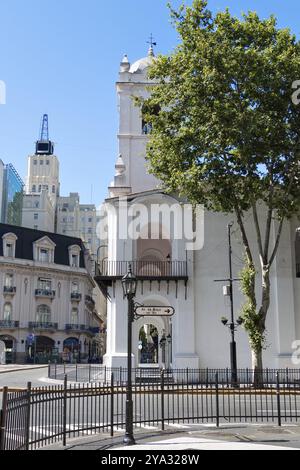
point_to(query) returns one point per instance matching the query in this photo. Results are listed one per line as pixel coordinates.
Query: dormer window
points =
(9, 245)
(74, 256)
(43, 250)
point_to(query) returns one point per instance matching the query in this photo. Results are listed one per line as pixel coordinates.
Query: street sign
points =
(152, 311)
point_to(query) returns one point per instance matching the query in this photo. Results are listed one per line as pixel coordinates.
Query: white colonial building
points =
(47, 309)
(172, 272)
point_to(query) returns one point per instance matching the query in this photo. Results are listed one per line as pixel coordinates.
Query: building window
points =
(74, 256)
(45, 284)
(37, 204)
(43, 314)
(7, 313)
(9, 245)
(90, 220)
(35, 162)
(74, 261)
(74, 316)
(53, 189)
(9, 280)
(40, 188)
(41, 162)
(35, 227)
(34, 188)
(44, 255)
(90, 230)
(75, 287)
(36, 216)
(47, 162)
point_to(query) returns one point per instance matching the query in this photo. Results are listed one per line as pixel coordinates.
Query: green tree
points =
(227, 134)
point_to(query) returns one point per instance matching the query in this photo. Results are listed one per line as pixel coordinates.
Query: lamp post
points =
(129, 284)
(169, 341)
(162, 344)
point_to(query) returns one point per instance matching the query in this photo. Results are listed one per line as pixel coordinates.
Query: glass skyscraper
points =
(12, 196)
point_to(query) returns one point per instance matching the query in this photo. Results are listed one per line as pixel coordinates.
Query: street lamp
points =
(129, 284)
(162, 344)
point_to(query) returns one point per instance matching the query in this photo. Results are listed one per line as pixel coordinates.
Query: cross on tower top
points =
(152, 44)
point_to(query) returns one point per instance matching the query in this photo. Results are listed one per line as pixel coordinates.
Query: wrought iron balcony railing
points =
(76, 296)
(43, 326)
(9, 324)
(9, 290)
(145, 269)
(83, 329)
(89, 300)
(45, 293)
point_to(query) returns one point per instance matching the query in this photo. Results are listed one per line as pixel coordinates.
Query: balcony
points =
(76, 328)
(9, 324)
(82, 329)
(76, 297)
(41, 326)
(49, 294)
(9, 290)
(143, 270)
(90, 302)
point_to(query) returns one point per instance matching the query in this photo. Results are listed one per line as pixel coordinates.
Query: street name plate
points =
(151, 311)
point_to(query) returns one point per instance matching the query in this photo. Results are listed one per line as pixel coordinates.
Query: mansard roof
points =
(26, 238)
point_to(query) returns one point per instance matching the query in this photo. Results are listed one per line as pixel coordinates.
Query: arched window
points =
(7, 314)
(74, 316)
(43, 314)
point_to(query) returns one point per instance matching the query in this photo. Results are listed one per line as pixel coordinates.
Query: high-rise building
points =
(11, 198)
(44, 208)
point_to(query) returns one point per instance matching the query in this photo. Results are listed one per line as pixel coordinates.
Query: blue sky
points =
(62, 57)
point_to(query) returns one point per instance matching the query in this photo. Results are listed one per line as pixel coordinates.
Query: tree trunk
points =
(257, 365)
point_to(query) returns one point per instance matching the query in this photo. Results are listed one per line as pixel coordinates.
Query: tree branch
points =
(277, 241)
(258, 232)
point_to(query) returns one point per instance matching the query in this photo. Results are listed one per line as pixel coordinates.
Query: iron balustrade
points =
(43, 326)
(45, 293)
(9, 324)
(143, 269)
(36, 417)
(76, 296)
(9, 290)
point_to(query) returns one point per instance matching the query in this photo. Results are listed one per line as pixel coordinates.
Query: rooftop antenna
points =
(152, 44)
(44, 135)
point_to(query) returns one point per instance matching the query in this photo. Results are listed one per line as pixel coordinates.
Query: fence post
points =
(105, 374)
(3, 415)
(55, 370)
(27, 430)
(278, 399)
(162, 400)
(90, 367)
(49, 370)
(76, 372)
(65, 395)
(187, 375)
(217, 401)
(112, 412)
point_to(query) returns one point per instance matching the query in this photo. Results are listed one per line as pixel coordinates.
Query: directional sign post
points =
(152, 311)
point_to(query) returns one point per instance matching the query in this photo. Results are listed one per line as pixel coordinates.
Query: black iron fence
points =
(35, 417)
(95, 373)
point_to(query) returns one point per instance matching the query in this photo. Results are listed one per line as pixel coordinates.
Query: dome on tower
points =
(142, 64)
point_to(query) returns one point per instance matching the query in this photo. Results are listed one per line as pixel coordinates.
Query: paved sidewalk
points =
(19, 367)
(197, 437)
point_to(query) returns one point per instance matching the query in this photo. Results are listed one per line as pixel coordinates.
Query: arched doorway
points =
(148, 345)
(71, 350)
(41, 349)
(10, 348)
